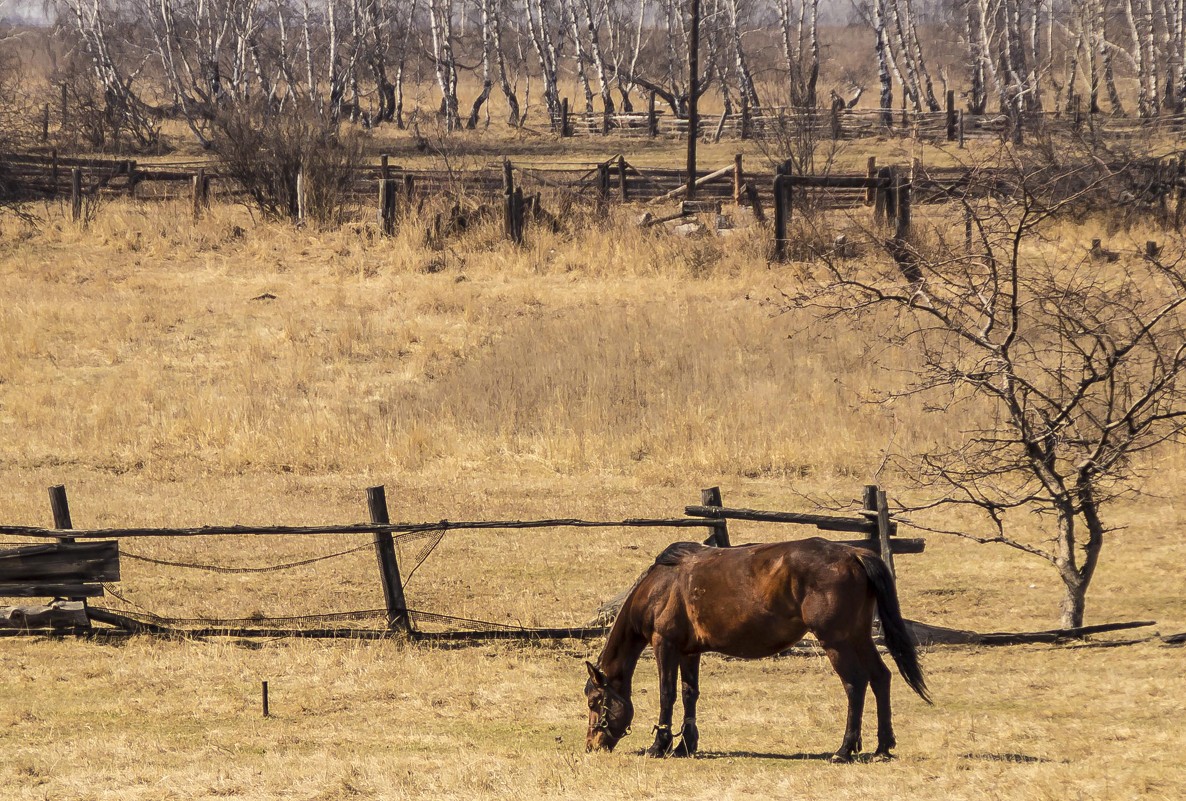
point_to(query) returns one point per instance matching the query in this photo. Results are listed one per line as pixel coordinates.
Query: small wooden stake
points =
(264, 691)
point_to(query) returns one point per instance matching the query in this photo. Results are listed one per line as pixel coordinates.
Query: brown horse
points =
(751, 601)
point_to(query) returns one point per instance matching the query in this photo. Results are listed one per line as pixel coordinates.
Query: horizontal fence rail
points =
(352, 528)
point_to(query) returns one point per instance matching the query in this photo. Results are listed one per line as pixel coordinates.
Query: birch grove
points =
(471, 61)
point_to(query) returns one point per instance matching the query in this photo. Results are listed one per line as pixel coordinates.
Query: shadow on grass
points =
(759, 755)
(1016, 758)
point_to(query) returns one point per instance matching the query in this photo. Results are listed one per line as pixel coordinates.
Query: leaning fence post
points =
(720, 531)
(393, 588)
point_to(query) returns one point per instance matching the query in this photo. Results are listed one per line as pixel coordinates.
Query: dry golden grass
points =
(604, 374)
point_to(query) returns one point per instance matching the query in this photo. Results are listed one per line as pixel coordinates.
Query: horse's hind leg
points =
(689, 670)
(879, 680)
(847, 662)
(668, 661)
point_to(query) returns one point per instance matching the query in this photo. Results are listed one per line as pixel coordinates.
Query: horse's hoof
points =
(656, 753)
(883, 756)
(682, 751)
(841, 759)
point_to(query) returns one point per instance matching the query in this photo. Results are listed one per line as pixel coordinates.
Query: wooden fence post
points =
(624, 190)
(387, 204)
(720, 532)
(75, 193)
(883, 532)
(961, 128)
(300, 198)
(755, 201)
(564, 131)
(45, 124)
(602, 186)
(652, 117)
(782, 214)
(60, 507)
(901, 207)
(746, 122)
(870, 173)
(738, 180)
(393, 588)
(384, 167)
(200, 189)
(951, 115)
(64, 108)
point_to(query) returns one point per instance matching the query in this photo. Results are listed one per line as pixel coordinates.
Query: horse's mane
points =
(677, 552)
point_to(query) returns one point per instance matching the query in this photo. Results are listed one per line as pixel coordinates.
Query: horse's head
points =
(610, 712)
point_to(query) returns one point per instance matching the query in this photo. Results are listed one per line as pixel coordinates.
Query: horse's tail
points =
(897, 637)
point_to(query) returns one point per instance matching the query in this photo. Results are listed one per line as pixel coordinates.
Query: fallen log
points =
(57, 615)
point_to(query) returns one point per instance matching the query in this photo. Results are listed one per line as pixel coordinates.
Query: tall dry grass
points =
(604, 373)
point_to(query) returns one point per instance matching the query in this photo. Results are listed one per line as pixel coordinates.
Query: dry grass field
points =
(603, 374)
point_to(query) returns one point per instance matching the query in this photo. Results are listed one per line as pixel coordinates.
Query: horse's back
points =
(749, 600)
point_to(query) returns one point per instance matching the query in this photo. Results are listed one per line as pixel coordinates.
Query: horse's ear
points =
(595, 675)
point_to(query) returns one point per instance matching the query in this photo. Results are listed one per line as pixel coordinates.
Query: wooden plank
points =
(825, 522)
(29, 590)
(898, 545)
(66, 561)
(353, 528)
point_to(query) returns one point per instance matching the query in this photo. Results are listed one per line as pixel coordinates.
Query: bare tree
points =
(1055, 375)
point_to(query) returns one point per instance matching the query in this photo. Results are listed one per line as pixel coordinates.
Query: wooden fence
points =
(950, 124)
(81, 563)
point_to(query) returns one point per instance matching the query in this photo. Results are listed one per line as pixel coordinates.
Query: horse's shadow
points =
(823, 757)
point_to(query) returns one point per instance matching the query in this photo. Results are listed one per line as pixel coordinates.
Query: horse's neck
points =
(620, 656)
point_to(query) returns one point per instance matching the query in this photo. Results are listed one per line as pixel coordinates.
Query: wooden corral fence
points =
(516, 192)
(951, 124)
(77, 564)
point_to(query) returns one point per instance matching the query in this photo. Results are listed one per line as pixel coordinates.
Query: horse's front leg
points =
(667, 658)
(689, 671)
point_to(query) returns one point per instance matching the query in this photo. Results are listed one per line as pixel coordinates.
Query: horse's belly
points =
(746, 636)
